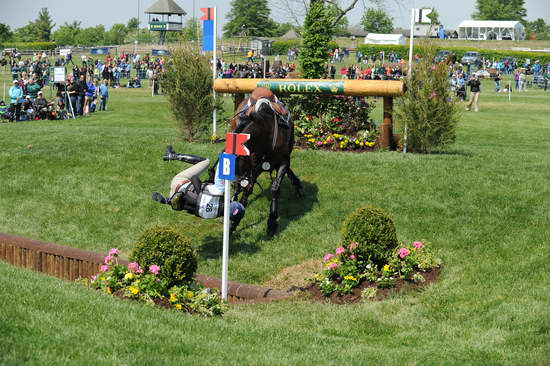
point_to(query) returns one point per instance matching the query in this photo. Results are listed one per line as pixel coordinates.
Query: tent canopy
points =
(491, 30)
(165, 7)
(378, 38)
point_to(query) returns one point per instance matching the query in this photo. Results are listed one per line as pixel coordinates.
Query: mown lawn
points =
(484, 203)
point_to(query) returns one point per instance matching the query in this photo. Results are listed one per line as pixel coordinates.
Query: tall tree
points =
(44, 25)
(500, 10)
(67, 33)
(296, 10)
(133, 24)
(318, 31)
(27, 33)
(5, 33)
(191, 30)
(116, 34)
(251, 17)
(376, 21)
(340, 27)
(92, 36)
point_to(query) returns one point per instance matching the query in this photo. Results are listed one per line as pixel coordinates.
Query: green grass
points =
(484, 203)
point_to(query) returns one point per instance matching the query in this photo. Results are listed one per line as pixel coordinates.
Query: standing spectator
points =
(89, 95)
(475, 89)
(497, 82)
(72, 90)
(80, 94)
(521, 81)
(33, 88)
(16, 93)
(104, 95)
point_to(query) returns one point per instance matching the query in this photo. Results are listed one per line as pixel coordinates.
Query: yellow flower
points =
(386, 268)
(189, 294)
(350, 278)
(109, 290)
(173, 297)
(178, 306)
(129, 276)
(311, 140)
(133, 290)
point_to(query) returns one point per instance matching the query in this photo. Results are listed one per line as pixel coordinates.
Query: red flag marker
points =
(234, 144)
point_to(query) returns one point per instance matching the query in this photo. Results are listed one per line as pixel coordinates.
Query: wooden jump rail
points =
(71, 263)
(388, 89)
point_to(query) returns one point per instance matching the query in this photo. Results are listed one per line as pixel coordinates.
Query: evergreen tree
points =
(250, 17)
(44, 25)
(133, 24)
(317, 34)
(500, 10)
(376, 21)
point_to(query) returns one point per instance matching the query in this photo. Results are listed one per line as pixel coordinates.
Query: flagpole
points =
(411, 45)
(214, 67)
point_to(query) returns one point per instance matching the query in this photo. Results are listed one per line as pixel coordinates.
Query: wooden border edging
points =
(71, 263)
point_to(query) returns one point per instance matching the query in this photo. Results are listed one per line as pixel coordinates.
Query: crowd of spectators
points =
(85, 89)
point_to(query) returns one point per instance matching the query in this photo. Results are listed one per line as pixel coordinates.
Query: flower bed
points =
(348, 278)
(135, 283)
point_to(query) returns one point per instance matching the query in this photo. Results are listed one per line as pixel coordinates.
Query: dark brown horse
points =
(271, 142)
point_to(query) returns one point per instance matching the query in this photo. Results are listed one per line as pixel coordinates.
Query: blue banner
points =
(99, 51)
(208, 35)
(160, 52)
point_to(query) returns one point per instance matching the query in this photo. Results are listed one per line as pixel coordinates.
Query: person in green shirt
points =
(33, 88)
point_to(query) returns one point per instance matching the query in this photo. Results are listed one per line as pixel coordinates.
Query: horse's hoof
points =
(272, 229)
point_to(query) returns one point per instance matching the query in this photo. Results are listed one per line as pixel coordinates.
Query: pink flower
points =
(113, 251)
(328, 257)
(104, 268)
(403, 252)
(340, 250)
(93, 277)
(418, 244)
(333, 266)
(352, 256)
(134, 267)
(139, 270)
(154, 269)
(353, 245)
(107, 259)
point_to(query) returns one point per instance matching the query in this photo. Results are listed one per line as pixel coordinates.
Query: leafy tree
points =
(92, 36)
(28, 33)
(191, 30)
(317, 34)
(116, 34)
(376, 21)
(537, 26)
(133, 24)
(44, 25)
(67, 33)
(500, 10)
(250, 16)
(5, 33)
(282, 29)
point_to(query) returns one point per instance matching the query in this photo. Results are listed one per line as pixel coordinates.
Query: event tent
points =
(491, 30)
(378, 38)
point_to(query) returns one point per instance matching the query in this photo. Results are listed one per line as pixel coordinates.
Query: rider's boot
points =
(170, 154)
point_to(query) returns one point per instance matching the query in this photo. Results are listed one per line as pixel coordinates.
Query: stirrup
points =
(159, 198)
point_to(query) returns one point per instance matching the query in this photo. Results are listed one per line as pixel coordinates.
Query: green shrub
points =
(42, 46)
(164, 246)
(427, 114)
(373, 231)
(282, 47)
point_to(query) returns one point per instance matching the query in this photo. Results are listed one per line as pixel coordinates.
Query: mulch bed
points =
(382, 293)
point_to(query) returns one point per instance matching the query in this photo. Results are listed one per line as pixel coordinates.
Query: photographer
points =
(475, 89)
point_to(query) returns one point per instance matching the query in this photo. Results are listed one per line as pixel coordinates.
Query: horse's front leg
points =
(272, 223)
(296, 183)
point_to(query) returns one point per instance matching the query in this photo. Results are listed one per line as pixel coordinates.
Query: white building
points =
(491, 30)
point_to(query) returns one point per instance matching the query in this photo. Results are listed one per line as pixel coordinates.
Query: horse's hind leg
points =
(272, 223)
(295, 182)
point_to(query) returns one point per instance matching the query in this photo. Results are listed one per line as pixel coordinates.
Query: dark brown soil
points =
(382, 293)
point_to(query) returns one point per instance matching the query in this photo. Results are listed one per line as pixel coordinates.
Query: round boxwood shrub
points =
(373, 231)
(167, 248)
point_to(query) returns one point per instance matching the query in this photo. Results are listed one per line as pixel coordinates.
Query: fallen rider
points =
(188, 193)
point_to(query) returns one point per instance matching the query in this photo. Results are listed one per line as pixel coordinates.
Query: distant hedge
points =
(282, 47)
(402, 51)
(29, 45)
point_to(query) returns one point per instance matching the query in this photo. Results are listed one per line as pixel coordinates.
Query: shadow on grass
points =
(290, 210)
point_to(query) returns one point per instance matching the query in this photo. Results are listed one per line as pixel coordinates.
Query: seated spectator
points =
(41, 106)
(27, 110)
(3, 109)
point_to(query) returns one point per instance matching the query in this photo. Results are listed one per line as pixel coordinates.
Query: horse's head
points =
(262, 105)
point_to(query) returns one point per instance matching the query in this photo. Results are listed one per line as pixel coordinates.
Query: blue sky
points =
(17, 13)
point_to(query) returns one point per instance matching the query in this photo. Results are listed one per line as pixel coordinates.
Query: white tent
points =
(491, 30)
(378, 38)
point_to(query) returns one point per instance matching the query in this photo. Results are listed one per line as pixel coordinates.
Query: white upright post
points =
(411, 45)
(4, 92)
(214, 63)
(225, 257)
